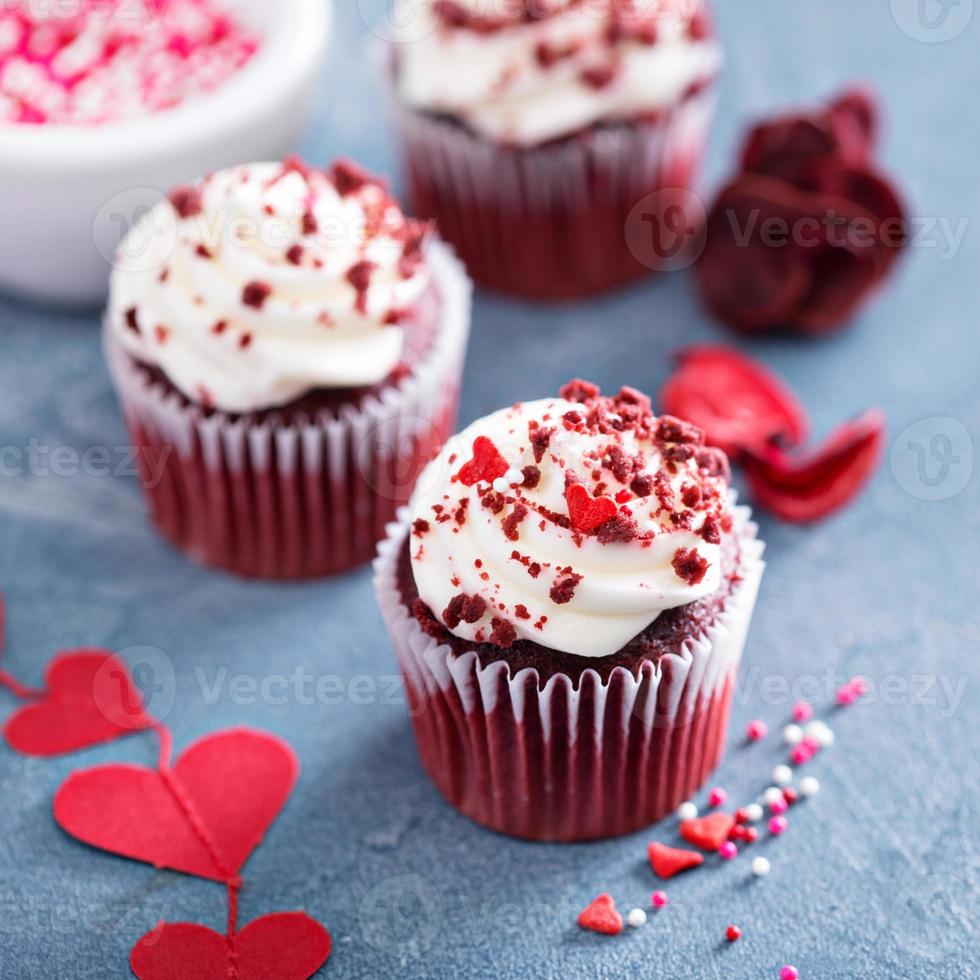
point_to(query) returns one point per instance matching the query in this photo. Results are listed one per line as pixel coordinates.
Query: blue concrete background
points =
(879, 876)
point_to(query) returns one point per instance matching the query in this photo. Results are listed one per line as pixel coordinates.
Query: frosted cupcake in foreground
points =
(533, 128)
(568, 595)
(287, 349)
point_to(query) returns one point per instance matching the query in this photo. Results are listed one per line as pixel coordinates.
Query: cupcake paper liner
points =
(550, 222)
(567, 762)
(300, 498)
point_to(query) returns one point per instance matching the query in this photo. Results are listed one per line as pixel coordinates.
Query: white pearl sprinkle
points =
(782, 775)
(772, 794)
(753, 813)
(501, 485)
(809, 786)
(821, 732)
(636, 918)
(514, 477)
(760, 867)
(792, 734)
(687, 811)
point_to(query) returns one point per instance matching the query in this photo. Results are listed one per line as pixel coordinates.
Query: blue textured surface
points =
(878, 876)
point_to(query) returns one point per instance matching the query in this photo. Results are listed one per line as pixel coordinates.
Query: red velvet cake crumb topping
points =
(255, 294)
(689, 565)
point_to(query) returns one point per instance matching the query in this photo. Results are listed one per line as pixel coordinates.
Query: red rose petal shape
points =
(746, 280)
(286, 946)
(823, 481)
(204, 816)
(736, 402)
(854, 118)
(587, 512)
(669, 861)
(785, 148)
(486, 465)
(841, 282)
(709, 832)
(600, 915)
(90, 698)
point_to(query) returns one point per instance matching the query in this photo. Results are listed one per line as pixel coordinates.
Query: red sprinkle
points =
(486, 465)
(255, 294)
(601, 916)
(690, 566)
(587, 512)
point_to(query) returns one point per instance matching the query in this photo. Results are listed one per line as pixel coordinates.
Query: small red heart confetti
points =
(669, 861)
(810, 488)
(287, 946)
(600, 915)
(587, 512)
(89, 698)
(735, 401)
(204, 816)
(486, 465)
(709, 832)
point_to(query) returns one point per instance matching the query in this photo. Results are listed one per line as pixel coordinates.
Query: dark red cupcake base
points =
(550, 222)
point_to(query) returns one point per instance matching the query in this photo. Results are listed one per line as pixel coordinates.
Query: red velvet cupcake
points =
(287, 349)
(568, 595)
(532, 130)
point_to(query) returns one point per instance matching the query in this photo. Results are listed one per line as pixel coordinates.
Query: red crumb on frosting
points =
(563, 590)
(359, 276)
(504, 634)
(420, 527)
(245, 341)
(255, 294)
(220, 327)
(186, 201)
(464, 609)
(690, 566)
(295, 254)
(520, 611)
(599, 77)
(162, 334)
(349, 178)
(132, 320)
(513, 520)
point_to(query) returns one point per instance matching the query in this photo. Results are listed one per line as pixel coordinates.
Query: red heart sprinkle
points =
(204, 816)
(287, 946)
(736, 402)
(709, 832)
(486, 465)
(823, 481)
(90, 698)
(587, 512)
(600, 915)
(669, 861)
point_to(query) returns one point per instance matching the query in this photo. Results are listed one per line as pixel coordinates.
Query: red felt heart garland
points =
(287, 946)
(89, 698)
(203, 815)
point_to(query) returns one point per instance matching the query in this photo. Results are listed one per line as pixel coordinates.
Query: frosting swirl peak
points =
(261, 283)
(572, 522)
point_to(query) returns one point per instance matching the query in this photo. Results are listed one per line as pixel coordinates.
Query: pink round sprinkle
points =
(757, 729)
(717, 796)
(777, 825)
(727, 851)
(846, 695)
(802, 711)
(811, 742)
(659, 900)
(789, 973)
(778, 806)
(800, 754)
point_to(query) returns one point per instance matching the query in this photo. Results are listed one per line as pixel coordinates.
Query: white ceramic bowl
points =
(69, 193)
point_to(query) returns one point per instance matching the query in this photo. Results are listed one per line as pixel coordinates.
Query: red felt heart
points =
(600, 915)
(90, 698)
(709, 832)
(204, 816)
(587, 512)
(286, 946)
(823, 481)
(669, 861)
(736, 402)
(486, 465)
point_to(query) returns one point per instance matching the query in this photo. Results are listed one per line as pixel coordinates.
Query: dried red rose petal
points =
(812, 487)
(735, 401)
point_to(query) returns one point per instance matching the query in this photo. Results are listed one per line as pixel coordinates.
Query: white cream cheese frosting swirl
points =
(572, 522)
(527, 71)
(261, 283)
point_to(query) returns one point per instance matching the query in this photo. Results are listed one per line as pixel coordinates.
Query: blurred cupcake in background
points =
(533, 128)
(568, 596)
(287, 349)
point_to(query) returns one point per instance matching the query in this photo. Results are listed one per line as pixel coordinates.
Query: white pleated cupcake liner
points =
(565, 760)
(295, 498)
(550, 221)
